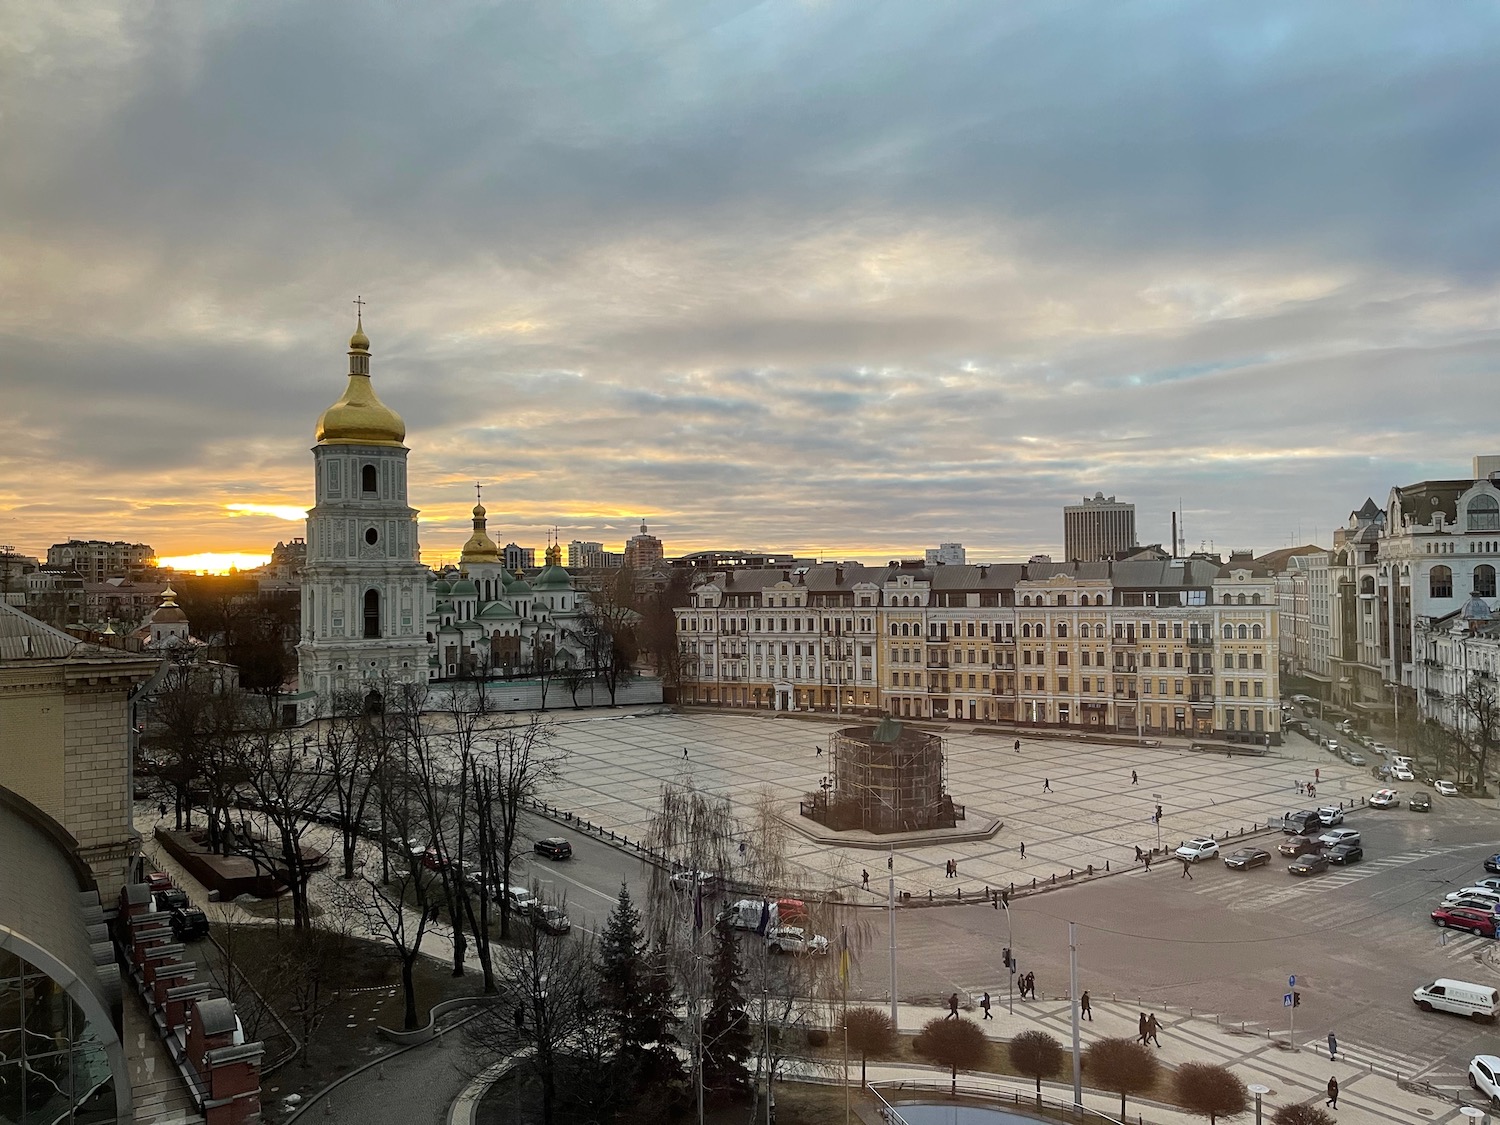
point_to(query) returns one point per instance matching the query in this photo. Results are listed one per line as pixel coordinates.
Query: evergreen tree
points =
(620, 948)
(638, 999)
(726, 1027)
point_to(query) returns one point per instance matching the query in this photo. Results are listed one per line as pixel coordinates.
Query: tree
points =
(609, 624)
(1479, 723)
(543, 664)
(574, 677)
(958, 1044)
(1301, 1113)
(1122, 1066)
(521, 761)
(1037, 1054)
(724, 1046)
(396, 911)
(871, 1032)
(1209, 1091)
(635, 991)
(353, 743)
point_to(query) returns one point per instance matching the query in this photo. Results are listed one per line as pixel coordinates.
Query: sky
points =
(841, 278)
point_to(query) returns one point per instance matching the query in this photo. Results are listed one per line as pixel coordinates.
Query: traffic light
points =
(1296, 999)
(1005, 956)
(1158, 814)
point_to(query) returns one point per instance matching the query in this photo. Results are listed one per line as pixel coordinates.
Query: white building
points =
(947, 554)
(364, 587)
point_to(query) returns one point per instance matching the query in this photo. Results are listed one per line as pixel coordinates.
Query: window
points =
(1062, 683)
(1228, 631)
(372, 536)
(1260, 689)
(1062, 599)
(1255, 599)
(1484, 513)
(1062, 630)
(1026, 631)
(367, 479)
(1244, 633)
(1440, 582)
(1258, 661)
(372, 613)
(1176, 687)
(1062, 658)
(1242, 660)
(1085, 658)
(1484, 580)
(1255, 632)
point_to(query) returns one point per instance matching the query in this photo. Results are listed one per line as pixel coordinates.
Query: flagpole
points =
(844, 976)
(698, 986)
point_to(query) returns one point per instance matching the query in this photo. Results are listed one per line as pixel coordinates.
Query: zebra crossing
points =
(1241, 893)
(1390, 1063)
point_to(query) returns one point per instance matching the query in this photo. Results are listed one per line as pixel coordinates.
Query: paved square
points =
(1093, 812)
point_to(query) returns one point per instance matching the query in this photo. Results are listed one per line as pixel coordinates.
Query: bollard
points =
(1106, 865)
(1091, 869)
(1070, 873)
(1012, 887)
(1054, 878)
(960, 894)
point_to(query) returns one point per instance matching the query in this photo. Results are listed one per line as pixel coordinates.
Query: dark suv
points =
(189, 923)
(554, 847)
(1303, 823)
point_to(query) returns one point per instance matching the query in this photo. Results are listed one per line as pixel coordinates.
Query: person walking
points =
(1046, 785)
(1031, 985)
(1144, 1032)
(1152, 1027)
(1148, 861)
(864, 876)
(1018, 746)
(985, 1006)
(952, 1007)
(684, 753)
(1023, 849)
(1333, 1093)
(1333, 1046)
(1134, 780)
(1317, 775)
(1084, 1011)
(1187, 870)
(953, 863)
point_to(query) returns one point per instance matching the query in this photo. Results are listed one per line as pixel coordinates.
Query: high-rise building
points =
(95, 560)
(363, 586)
(583, 553)
(518, 558)
(643, 550)
(947, 554)
(1097, 529)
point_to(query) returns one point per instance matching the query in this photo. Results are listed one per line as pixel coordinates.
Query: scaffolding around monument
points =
(887, 777)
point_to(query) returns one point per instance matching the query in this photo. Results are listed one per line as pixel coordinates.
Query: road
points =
(1224, 942)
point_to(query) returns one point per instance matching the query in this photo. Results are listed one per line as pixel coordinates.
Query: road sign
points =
(1286, 1001)
(1291, 981)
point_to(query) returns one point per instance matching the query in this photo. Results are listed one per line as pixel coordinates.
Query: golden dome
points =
(479, 547)
(359, 417)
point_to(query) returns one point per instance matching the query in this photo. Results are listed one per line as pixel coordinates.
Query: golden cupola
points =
(479, 548)
(359, 417)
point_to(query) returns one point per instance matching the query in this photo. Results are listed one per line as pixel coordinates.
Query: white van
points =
(1400, 762)
(1477, 1001)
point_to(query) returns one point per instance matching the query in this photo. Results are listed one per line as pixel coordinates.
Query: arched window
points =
(1367, 585)
(1025, 630)
(1227, 599)
(1255, 632)
(1241, 599)
(1098, 599)
(1229, 632)
(1484, 513)
(1026, 599)
(1062, 630)
(372, 613)
(1244, 633)
(1255, 599)
(1440, 582)
(367, 479)
(1062, 599)
(1484, 580)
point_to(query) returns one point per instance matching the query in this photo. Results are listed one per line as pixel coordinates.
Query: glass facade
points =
(53, 1066)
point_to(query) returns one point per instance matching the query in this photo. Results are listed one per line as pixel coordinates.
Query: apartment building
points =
(1097, 529)
(95, 560)
(1171, 645)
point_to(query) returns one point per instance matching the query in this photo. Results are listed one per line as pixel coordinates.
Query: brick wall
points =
(32, 720)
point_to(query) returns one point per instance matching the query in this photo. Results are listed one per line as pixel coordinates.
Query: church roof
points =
(519, 586)
(553, 578)
(359, 417)
(464, 588)
(497, 611)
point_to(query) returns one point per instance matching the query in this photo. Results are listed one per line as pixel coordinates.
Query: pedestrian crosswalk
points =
(1390, 1063)
(1257, 894)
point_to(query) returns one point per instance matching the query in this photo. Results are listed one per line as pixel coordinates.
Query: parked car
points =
(553, 847)
(1246, 858)
(1300, 823)
(158, 881)
(1336, 836)
(1331, 815)
(1310, 864)
(1403, 773)
(1385, 799)
(1472, 902)
(687, 880)
(1345, 854)
(1297, 845)
(1199, 847)
(794, 939)
(1492, 865)
(1451, 917)
(1419, 802)
(189, 923)
(1355, 759)
(1446, 788)
(551, 919)
(1487, 884)
(1489, 894)
(1484, 1076)
(522, 901)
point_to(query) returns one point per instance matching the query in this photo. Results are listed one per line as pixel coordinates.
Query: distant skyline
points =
(847, 279)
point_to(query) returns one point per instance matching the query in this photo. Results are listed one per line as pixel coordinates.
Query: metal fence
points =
(993, 1095)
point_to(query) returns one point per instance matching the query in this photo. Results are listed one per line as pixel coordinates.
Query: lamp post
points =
(1258, 1090)
(1010, 968)
(890, 865)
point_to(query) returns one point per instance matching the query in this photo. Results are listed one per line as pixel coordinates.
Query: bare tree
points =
(575, 677)
(543, 665)
(1122, 1066)
(521, 760)
(610, 624)
(1036, 1055)
(353, 743)
(1479, 723)
(1210, 1091)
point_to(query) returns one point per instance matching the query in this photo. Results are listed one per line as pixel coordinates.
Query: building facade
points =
(1173, 646)
(363, 586)
(644, 551)
(1097, 529)
(95, 560)
(947, 554)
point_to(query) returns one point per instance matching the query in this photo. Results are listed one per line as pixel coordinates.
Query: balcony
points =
(1200, 642)
(934, 662)
(1200, 698)
(1127, 641)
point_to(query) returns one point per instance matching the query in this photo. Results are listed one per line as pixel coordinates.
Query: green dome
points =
(441, 588)
(463, 588)
(497, 611)
(553, 578)
(519, 586)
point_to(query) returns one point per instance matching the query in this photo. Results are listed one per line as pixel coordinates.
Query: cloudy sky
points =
(845, 278)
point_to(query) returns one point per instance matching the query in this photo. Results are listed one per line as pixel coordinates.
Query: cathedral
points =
(372, 614)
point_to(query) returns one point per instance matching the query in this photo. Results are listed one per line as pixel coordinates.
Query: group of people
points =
(1026, 985)
(950, 870)
(1148, 1029)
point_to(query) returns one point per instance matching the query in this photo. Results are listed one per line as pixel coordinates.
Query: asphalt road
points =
(1359, 940)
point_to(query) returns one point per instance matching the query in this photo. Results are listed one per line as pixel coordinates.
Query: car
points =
(1297, 845)
(433, 859)
(1331, 745)
(1301, 823)
(1402, 773)
(1487, 884)
(1492, 865)
(189, 923)
(1309, 864)
(171, 898)
(1355, 759)
(1472, 902)
(1385, 799)
(550, 919)
(1246, 858)
(1336, 836)
(1345, 854)
(1446, 788)
(158, 881)
(1402, 760)
(1452, 917)
(796, 940)
(687, 880)
(1484, 1076)
(1476, 891)
(1199, 847)
(521, 900)
(1419, 802)
(553, 847)
(1331, 815)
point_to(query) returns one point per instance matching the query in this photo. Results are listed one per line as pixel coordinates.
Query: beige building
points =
(1163, 646)
(96, 559)
(1097, 529)
(643, 551)
(65, 744)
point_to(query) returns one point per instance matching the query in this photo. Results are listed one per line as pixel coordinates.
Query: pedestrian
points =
(1333, 1046)
(1187, 870)
(953, 863)
(1333, 1093)
(1023, 849)
(1134, 780)
(1084, 1011)
(684, 753)
(520, 1018)
(985, 1006)
(1144, 1032)
(1148, 861)
(1046, 785)
(1138, 853)
(1031, 984)
(162, 810)
(1299, 787)
(1317, 775)
(863, 874)
(1152, 1027)
(1312, 791)
(742, 849)
(1018, 746)
(952, 1007)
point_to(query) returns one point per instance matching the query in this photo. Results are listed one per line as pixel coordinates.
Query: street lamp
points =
(1258, 1090)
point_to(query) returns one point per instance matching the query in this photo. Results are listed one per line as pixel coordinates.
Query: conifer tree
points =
(636, 983)
(726, 1026)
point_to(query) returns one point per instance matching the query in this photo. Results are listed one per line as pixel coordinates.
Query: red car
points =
(159, 881)
(1481, 922)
